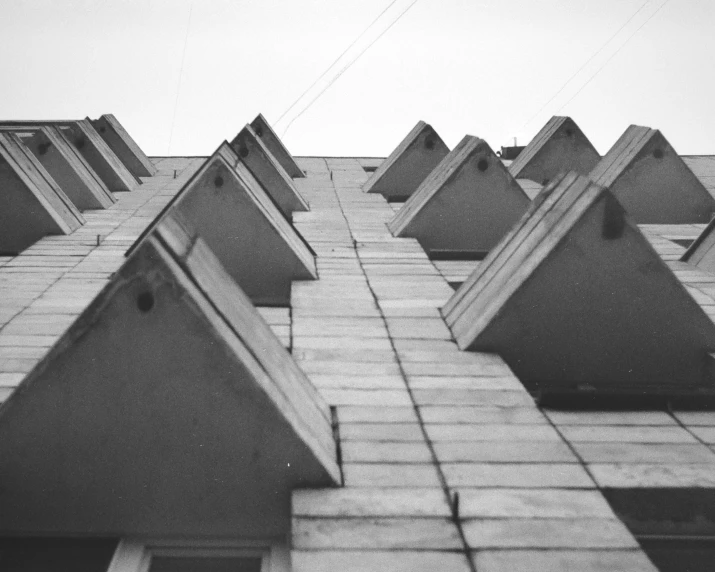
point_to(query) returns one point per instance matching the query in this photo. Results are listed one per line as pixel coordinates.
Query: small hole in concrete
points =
(569, 133)
(43, 147)
(79, 143)
(259, 132)
(429, 144)
(658, 153)
(545, 182)
(243, 152)
(145, 301)
(102, 129)
(482, 165)
(218, 181)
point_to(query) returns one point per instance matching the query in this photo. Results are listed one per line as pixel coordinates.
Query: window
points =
(199, 556)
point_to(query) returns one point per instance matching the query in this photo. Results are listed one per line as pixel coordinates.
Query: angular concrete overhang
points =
(467, 204)
(33, 205)
(84, 137)
(69, 169)
(119, 141)
(237, 219)
(404, 170)
(560, 146)
(263, 129)
(701, 252)
(268, 172)
(168, 408)
(651, 181)
(575, 297)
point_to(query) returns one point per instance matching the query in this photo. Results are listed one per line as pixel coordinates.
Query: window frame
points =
(134, 555)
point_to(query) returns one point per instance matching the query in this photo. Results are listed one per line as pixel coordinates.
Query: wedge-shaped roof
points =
(701, 252)
(117, 138)
(263, 129)
(33, 205)
(169, 383)
(575, 297)
(468, 203)
(69, 169)
(258, 247)
(651, 181)
(268, 171)
(408, 165)
(560, 146)
(104, 161)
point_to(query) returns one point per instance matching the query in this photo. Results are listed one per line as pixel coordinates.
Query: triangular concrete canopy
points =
(69, 169)
(258, 247)
(168, 384)
(468, 203)
(119, 141)
(33, 205)
(268, 171)
(85, 139)
(560, 146)
(575, 296)
(417, 155)
(651, 181)
(263, 129)
(701, 252)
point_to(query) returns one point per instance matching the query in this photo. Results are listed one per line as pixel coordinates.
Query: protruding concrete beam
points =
(468, 202)
(33, 205)
(263, 129)
(69, 169)
(119, 141)
(651, 181)
(268, 171)
(701, 252)
(575, 298)
(85, 139)
(560, 146)
(258, 247)
(168, 384)
(409, 164)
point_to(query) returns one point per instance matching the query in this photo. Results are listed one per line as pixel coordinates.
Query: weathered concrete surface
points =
(198, 423)
(560, 146)
(123, 145)
(263, 129)
(268, 171)
(33, 205)
(651, 181)
(417, 155)
(468, 202)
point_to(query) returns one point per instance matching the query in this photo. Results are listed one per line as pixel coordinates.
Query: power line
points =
(588, 61)
(612, 56)
(181, 73)
(355, 41)
(345, 68)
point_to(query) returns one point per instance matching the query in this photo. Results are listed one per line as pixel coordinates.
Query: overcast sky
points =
(482, 67)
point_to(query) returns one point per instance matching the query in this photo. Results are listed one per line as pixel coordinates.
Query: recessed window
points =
(205, 564)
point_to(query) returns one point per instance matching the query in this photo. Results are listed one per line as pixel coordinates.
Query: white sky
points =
(482, 67)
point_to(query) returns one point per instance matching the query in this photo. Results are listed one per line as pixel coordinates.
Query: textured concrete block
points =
(268, 172)
(466, 205)
(409, 164)
(262, 128)
(134, 421)
(651, 181)
(560, 146)
(119, 141)
(33, 205)
(230, 211)
(575, 297)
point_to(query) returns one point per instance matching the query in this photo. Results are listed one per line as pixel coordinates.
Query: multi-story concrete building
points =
(441, 361)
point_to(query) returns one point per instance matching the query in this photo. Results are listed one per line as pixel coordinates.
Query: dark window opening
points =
(369, 169)
(56, 554)
(204, 564)
(438, 254)
(675, 527)
(686, 242)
